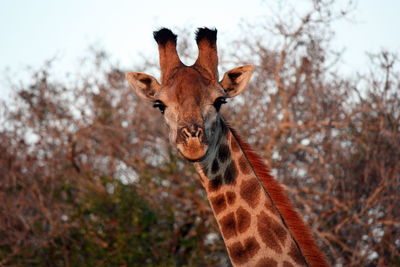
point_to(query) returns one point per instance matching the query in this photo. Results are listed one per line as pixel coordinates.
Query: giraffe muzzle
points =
(191, 142)
(193, 131)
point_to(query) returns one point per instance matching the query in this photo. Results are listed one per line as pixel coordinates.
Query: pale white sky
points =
(34, 31)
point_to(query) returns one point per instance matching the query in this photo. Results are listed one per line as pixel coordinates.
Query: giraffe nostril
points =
(199, 133)
(186, 133)
(192, 131)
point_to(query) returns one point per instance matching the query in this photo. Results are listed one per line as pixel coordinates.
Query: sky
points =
(35, 31)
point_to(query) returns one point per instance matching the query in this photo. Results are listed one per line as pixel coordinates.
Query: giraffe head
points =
(189, 97)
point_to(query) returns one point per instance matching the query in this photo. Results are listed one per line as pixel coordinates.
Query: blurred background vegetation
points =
(88, 176)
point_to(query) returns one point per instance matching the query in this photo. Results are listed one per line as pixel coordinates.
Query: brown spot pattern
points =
(214, 166)
(271, 233)
(230, 197)
(218, 203)
(238, 253)
(252, 246)
(230, 173)
(243, 219)
(234, 145)
(242, 253)
(250, 192)
(287, 264)
(244, 165)
(266, 262)
(223, 153)
(268, 205)
(296, 255)
(228, 226)
(279, 231)
(215, 183)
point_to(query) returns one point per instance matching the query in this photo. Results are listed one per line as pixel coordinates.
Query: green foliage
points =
(88, 176)
(110, 225)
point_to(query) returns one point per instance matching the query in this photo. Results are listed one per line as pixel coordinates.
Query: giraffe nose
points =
(192, 131)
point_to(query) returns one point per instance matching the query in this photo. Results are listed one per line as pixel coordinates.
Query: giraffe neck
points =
(254, 229)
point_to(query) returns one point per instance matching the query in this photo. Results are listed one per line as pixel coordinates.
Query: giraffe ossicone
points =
(257, 222)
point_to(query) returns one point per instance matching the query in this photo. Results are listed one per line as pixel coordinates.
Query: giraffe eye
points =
(219, 102)
(160, 105)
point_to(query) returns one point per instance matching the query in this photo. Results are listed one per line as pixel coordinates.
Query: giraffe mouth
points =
(192, 149)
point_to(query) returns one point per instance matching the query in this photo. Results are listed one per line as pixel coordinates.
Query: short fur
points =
(191, 88)
(169, 59)
(295, 224)
(208, 55)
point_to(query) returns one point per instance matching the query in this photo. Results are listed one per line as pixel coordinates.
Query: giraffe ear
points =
(235, 80)
(146, 86)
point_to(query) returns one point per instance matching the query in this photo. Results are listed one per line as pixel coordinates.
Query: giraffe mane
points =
(300, 232)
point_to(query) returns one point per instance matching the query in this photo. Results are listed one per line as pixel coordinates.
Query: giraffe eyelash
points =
(160, 105)
(219, 102)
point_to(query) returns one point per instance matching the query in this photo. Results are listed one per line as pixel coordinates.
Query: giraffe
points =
(258, 224)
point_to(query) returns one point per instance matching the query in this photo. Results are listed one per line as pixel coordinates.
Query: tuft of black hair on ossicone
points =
(164, 35)
(206, 33)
